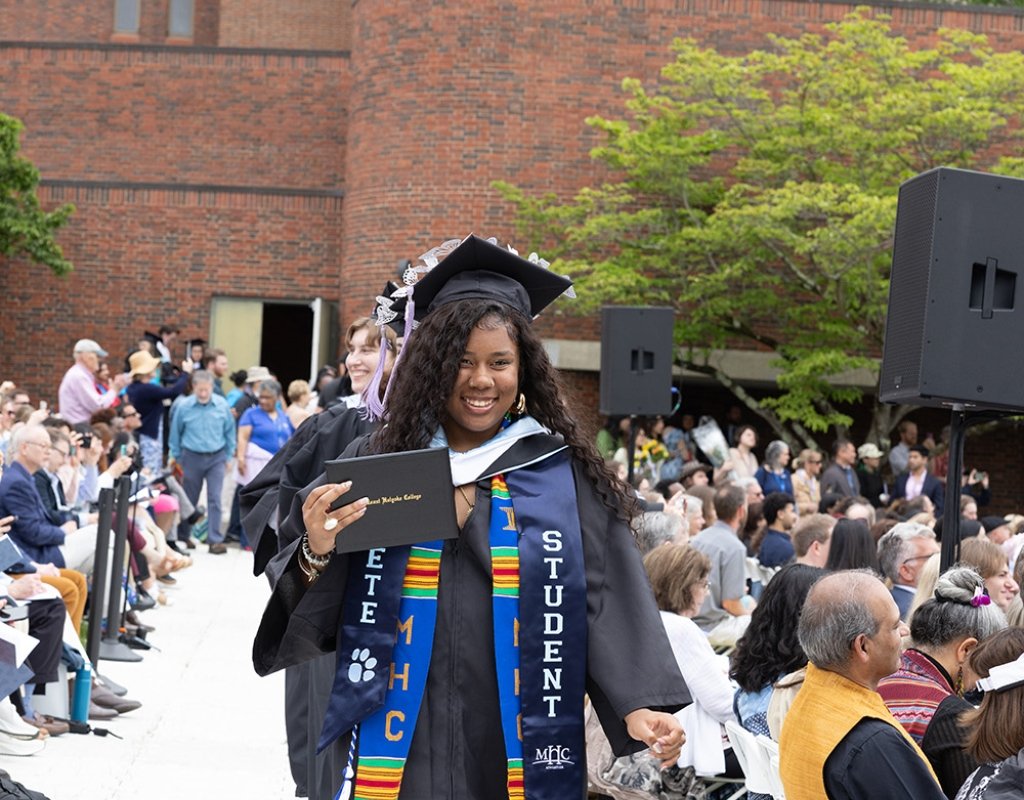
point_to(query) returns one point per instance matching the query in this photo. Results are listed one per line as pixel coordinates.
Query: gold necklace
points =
(464, 497)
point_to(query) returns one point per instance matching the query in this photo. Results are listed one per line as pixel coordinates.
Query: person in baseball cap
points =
(78, 395)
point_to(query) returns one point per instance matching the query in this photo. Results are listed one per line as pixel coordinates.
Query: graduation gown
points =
(457, 751)
(267, 499)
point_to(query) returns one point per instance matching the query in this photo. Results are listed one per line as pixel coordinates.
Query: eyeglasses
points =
(46, 446)
(917, 558)
(814, 461)
(133, 414)
(63, 453)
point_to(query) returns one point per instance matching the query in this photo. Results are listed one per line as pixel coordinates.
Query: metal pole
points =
(951, 511)
(111, 648)
(106, 503)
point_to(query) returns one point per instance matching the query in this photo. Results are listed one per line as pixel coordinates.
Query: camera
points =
(86, 441)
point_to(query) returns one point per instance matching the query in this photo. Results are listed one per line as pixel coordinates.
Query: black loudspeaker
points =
(636, 360)
(955, 326)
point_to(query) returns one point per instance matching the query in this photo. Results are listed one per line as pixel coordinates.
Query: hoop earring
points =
(519, 409)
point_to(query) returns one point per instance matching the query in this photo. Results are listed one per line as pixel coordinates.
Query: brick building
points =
(253, 169)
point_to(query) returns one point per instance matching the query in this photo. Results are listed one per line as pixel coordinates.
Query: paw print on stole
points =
(361, 668)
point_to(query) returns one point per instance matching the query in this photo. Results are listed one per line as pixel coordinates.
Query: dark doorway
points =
(287, 342)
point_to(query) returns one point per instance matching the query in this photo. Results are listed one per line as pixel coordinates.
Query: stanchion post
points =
(106, 514)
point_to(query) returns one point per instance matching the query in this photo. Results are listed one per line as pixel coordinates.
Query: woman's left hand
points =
(660, 731)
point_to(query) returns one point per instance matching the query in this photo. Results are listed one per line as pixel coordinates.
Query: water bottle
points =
(83, 692)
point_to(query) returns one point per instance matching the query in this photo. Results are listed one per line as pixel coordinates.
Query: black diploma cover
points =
(411, 498)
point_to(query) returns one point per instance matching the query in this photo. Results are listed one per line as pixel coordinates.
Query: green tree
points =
(25, 228)
(757, 195)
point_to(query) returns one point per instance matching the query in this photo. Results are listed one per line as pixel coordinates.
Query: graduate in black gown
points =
(265, 502)
(483, 696)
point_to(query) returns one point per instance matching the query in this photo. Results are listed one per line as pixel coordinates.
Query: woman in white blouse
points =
(744, 462)
(679, 577)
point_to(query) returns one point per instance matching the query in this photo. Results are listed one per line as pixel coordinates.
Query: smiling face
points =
(362, 359)
(1002, 588)
(485, 387)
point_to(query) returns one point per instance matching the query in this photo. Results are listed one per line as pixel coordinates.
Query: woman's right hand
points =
(316, 511)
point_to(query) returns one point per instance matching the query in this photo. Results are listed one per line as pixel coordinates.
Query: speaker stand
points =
(630, 450)
(960, 421)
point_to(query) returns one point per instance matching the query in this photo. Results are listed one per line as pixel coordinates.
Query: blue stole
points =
(549, 626)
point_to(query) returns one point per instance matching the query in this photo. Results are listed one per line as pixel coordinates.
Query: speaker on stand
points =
(955, 324)
(636, 364)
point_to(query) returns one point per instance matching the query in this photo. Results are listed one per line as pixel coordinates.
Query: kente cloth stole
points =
(541, 661)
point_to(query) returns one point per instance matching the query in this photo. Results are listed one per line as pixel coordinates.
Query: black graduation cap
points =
(151, 337)
(478, 269)
(193, 342)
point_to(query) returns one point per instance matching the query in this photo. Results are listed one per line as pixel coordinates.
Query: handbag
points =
(638, 776)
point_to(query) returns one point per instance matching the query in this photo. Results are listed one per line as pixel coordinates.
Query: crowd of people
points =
(837, 636)
(181, 440)
(800, 599)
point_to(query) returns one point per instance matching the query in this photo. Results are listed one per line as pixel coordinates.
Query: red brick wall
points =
(122, 113)
(74, 21)
(447, 98)
(307, 25)
(142, 258)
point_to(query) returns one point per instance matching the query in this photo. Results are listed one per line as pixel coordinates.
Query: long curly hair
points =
(770, 649)
(429, 367)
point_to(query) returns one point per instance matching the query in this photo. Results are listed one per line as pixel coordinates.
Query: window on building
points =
(180, 21)
(126, 16)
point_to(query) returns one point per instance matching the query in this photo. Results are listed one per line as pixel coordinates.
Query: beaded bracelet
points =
(315, 561)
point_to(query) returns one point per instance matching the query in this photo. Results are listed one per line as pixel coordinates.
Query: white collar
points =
(468, 466)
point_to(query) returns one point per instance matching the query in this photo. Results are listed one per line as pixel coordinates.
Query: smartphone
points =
(13, 613)
(42, 405)
(124, 449)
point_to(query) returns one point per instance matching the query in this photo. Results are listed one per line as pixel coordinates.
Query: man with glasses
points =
(902, 553)
(50, 487)
(64, 545)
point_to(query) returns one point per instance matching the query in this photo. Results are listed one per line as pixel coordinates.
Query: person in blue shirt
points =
(203, 442)
(779, 511)
(774, 474)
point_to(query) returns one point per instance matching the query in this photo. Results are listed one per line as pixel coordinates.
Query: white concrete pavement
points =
(209, 727)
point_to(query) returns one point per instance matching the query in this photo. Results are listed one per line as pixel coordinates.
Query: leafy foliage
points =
(757, 195)
(25, 228)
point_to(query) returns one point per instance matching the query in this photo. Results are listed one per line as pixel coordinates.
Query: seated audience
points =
(769, 650)
(995, 730)
(741, 455)
(851, 547)
(872, 486)
(806, 487)
(779, 516)
(812, 539)
(901, 555)
(925, 694)
(66, 545)
(774, 474)
(991, 563)
(839, 740)
(679, 578)
(656, 528)
(299, 396)
(726, 606)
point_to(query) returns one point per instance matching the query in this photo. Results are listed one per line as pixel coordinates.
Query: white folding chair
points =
(714, 784)
(753, 759)
(767, 573)
(771, 751)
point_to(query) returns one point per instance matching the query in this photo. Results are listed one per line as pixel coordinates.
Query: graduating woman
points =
(501, 630)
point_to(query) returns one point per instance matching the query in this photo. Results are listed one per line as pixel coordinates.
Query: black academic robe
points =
(874, 760)
(267, 499)
(457, 751)
(266, 503)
